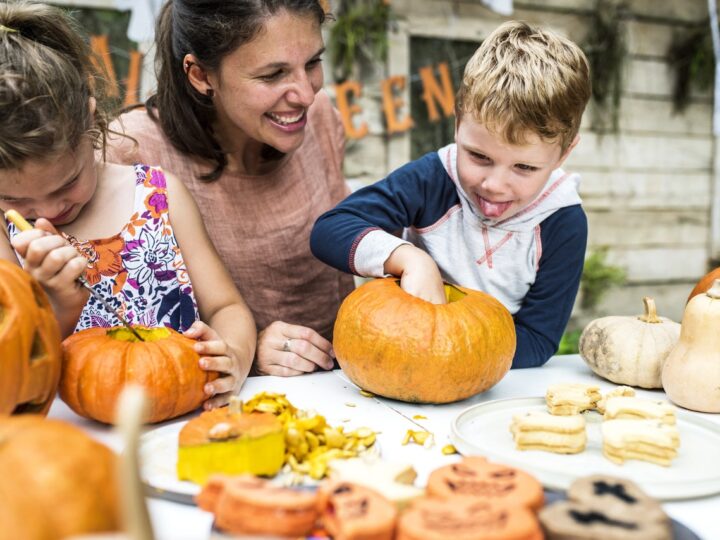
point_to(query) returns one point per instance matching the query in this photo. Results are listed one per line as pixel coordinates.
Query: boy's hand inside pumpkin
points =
(216, 355)
(419, 275)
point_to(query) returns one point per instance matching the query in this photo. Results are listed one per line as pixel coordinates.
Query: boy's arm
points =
(546, 308)
(358, 235)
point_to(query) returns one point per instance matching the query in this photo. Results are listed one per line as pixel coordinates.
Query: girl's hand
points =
(216, 355)
(287, 350)
(51, 260)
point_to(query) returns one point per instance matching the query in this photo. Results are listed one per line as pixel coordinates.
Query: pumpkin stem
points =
(650, 315)
(714, 290)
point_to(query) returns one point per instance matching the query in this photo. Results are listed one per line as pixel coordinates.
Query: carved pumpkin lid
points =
(222, 424)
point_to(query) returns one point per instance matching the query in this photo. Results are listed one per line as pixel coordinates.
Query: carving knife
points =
(23, 225)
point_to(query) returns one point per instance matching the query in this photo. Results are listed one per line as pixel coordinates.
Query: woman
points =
(240, 117)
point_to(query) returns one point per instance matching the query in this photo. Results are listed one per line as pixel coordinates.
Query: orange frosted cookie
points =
(481, 479)
(250, 505)
(466, 519)
(354, 512)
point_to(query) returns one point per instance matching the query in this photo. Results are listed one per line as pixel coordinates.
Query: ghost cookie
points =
(538, 430)
(605, 508)
(645, 440)
(464, 518)
(572, 398)
(634, 408)
(620, 391)
(482, 480)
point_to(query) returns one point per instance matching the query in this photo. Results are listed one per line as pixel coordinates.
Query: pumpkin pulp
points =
(148, 334)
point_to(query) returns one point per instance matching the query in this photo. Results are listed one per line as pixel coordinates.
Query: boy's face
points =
(501, 178)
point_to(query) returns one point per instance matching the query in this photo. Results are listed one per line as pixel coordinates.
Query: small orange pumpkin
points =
(30, 352)
(705, 283)
(56, 481)
(99, 362)
(399, 346)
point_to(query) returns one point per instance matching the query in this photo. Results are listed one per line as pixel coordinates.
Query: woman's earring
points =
(210, 92)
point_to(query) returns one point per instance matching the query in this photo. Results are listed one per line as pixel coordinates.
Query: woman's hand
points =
(216, 355)
(51, 260)
(287, 350)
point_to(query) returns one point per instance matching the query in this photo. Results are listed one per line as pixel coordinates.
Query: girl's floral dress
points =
(140, 271)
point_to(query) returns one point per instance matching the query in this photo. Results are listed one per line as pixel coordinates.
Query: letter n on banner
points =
(132, 84)
(99, 45)
(348, 110)
(445, 96)
(391, 104)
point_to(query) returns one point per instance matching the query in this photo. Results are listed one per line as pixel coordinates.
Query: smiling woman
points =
(240, 117)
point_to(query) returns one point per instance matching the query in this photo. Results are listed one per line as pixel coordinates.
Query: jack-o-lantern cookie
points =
(354, 512)
(250, 505)
(605, 507)
(483, 480)
(463, 518)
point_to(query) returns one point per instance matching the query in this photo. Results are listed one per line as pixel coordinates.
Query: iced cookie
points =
(571, 398)
(620, 391)
(250, 505)
(466, 519)
(634, 408)
(483, 480)
(354, 512)
(538, 430)
(645, 440)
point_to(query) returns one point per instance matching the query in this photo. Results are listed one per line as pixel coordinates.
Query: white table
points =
(329, 394)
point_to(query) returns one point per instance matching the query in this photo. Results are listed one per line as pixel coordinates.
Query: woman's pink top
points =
(261, 225)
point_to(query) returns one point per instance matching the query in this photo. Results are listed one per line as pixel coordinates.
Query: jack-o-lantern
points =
(399, 346)
(99, 362)
(30, 351)
(56, 481)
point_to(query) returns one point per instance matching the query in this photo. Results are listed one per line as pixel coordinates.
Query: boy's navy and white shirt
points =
(531, 262)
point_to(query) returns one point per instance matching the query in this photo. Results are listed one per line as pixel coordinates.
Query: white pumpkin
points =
(630, 350)
(691, 374)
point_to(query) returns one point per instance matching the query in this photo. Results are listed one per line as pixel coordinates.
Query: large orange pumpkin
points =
(399, 346)
(30, 352)
(705, 283)
(99, 362)
(55, 481)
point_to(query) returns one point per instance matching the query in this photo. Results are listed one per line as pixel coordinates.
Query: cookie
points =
(394, 481)
(625, 391)
(571, 398)
(603, 507)
(466, 519)
(480, 479)
(537, 430)
(634, 408)
(353, 512)
(251, 505)
(645, 440)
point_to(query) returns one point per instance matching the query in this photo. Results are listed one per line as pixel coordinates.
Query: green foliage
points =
(692, 59)
(569, 343)
(606, 50)
(358, 33)
(598, 277)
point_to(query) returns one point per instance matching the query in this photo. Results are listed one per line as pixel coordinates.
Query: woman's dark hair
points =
(47, 76)
(209, 30)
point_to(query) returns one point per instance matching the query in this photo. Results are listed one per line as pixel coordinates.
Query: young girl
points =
(134, 232)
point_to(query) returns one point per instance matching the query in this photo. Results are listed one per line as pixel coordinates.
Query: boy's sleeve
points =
(360, 233)
(546, 309)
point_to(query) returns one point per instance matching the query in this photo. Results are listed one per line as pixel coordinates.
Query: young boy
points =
(493, 211)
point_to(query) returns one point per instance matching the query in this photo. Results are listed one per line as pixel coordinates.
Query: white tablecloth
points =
(332, 396)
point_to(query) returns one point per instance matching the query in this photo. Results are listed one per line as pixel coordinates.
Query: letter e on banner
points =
(391, 104)
(347, 110)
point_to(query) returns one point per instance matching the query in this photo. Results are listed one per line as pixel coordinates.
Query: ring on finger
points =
(286, 345)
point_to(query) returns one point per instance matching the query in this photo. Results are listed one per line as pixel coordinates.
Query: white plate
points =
(158, 458)
(484, 429)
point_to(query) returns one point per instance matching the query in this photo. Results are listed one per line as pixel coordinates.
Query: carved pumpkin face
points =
(477, 478)
(399, 346)
(99, 362)
(30, 351)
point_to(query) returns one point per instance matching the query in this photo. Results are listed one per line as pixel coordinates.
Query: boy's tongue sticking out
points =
(491, 209)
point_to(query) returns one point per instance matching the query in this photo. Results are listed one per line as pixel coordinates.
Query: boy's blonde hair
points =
(47, 78)
(526, 80)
